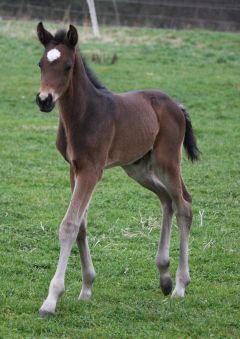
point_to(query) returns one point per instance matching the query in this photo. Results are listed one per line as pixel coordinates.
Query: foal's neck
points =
(74, 102)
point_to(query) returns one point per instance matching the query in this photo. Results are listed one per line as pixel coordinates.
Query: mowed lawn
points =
(201, 69)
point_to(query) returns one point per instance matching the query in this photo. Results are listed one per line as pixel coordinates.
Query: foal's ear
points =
(43, 35)
(72, 35)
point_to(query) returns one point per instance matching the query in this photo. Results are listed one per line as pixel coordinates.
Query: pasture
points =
(201, 69)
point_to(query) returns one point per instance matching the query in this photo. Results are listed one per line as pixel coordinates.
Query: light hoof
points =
(45, 314)
(178, 293)
(166, 285)
(47, 309)
(85, 295)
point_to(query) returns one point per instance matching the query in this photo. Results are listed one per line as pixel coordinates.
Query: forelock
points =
(60, 36)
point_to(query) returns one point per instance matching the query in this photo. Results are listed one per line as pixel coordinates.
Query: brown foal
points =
(142, 131)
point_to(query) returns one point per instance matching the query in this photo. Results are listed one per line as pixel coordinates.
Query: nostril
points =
(48, 100)
(37, 98)
(49, 97)
(45, 101)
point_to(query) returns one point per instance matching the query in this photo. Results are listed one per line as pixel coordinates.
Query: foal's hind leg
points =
(143, 174)
(184, 221)
(162, 256)
(169, 173)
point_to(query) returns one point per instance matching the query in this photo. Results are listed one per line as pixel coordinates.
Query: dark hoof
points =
(45, 314)
(166, 285)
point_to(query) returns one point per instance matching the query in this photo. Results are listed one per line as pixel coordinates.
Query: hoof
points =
(45, 314)
(47, 309)
(166, 285)
(178, 293)
(85, 295)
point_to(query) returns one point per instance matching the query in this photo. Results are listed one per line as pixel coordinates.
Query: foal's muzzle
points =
(47, 104)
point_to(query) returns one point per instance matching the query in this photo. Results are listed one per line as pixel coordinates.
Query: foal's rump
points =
(175, 127)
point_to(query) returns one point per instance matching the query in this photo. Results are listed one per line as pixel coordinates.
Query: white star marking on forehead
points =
(53, 54)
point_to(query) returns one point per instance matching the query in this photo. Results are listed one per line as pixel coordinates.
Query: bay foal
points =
(142, 131)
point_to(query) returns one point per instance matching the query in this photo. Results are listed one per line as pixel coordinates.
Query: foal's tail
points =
(190, 142)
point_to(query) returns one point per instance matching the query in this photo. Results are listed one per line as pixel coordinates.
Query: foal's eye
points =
(39, 64)
(67, 66)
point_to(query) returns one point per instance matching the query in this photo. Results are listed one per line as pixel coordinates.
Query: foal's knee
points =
(68, 231)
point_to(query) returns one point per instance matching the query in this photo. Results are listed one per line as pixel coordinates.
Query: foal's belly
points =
(136, 129)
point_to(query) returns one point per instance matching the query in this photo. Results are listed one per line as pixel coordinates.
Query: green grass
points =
(202, 70)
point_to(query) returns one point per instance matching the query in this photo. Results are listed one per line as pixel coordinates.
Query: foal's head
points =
(56, 65)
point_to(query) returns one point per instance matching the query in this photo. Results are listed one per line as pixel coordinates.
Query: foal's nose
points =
(45, 102)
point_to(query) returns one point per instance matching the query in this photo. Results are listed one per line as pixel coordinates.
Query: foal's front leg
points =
(87, 268)
(69, 228)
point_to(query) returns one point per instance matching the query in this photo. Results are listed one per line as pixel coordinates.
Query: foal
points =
(141, 131)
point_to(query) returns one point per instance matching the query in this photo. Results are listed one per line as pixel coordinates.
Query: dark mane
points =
(92, 77)
(60, 37)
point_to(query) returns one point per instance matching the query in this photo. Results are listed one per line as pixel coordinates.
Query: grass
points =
(202, 70)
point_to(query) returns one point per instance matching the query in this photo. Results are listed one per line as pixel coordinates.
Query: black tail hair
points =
(190, 142)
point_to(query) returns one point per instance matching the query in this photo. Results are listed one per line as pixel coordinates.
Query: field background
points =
(202, 70)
